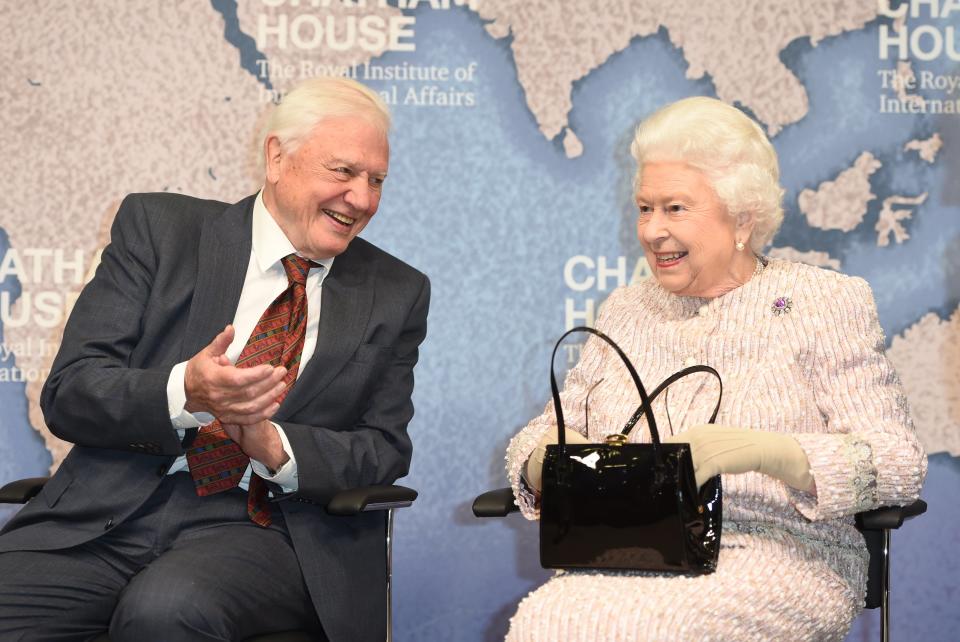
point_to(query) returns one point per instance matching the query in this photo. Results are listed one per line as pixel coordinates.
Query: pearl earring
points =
(739, 246)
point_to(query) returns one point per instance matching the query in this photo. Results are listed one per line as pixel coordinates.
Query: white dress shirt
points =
(264, 281)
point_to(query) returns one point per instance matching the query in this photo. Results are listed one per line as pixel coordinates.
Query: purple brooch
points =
(782, 305)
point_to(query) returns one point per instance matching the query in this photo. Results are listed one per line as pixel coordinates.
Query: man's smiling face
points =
(325, 192)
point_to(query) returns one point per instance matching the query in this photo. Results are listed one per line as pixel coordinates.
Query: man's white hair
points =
(728, 147)
(313, 100)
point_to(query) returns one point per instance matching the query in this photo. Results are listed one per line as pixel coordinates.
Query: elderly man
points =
(225, 360)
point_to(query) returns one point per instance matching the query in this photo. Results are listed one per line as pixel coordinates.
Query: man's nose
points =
(358, 194)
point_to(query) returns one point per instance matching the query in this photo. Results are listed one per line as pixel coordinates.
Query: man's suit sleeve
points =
(376, 449)
(93, 397)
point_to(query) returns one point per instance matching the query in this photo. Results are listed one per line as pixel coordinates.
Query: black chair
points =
(345, 503)
(876, 526)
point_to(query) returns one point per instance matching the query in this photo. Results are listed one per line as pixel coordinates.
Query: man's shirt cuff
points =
(286, 477)
(180, 418)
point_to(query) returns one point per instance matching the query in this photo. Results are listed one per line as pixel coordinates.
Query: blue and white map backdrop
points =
(510, 185)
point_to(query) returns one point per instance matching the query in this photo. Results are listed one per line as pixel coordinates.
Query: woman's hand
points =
(534, 468)
(731, 450)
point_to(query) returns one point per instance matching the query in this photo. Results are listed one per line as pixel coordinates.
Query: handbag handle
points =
(644, 400)
(663, 386)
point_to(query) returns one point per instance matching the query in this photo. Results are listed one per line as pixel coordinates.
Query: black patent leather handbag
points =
(620, 505)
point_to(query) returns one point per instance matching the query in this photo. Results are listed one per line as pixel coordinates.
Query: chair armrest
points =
(22, 490)
(495, 503)
(368, 498)
(347, 502)
(889, 516)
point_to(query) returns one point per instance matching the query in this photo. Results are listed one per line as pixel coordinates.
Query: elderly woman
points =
(813, 426)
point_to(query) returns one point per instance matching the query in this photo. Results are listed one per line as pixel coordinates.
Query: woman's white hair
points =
(728, 147)
(313, 100)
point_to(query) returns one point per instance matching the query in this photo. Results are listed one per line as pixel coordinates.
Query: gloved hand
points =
(534, 467)
(729, 449)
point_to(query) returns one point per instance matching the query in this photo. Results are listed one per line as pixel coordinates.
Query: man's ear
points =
(273, 156)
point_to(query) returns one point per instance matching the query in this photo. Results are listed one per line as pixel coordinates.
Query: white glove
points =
(534, 467)
(729, 449)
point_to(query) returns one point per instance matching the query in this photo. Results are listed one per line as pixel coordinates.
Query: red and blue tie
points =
(216, 462)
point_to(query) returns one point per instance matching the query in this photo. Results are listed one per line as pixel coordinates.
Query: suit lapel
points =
(346, 304)
(225, 243)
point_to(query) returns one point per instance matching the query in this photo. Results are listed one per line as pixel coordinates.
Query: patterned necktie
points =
(216, 462)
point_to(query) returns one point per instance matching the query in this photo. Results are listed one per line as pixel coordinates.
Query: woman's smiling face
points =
(688, 236)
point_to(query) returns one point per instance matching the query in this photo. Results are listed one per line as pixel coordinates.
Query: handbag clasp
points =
(616, 439)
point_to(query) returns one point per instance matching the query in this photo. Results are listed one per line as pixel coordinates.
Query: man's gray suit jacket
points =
(169, 281)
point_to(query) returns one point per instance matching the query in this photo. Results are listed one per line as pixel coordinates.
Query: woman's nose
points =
(652, 227)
